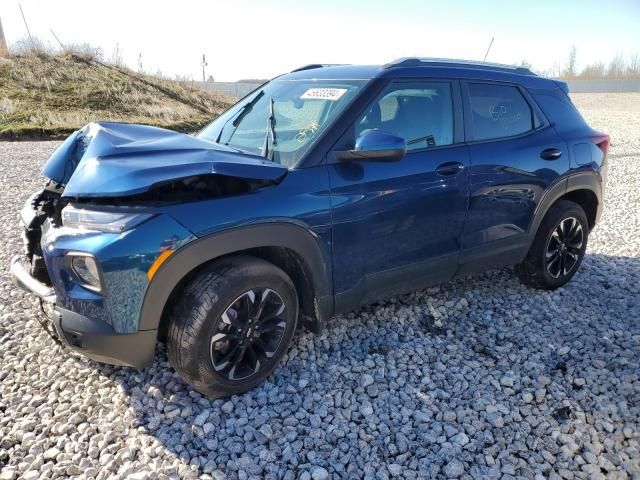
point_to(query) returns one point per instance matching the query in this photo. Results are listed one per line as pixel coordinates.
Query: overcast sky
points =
(249, 39)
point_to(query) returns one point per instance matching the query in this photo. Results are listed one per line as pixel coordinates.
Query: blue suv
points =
(324, 189)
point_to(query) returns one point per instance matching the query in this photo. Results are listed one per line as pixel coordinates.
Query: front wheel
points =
(232, 325)
(558, 247)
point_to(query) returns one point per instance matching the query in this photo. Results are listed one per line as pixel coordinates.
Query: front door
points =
(397, 225)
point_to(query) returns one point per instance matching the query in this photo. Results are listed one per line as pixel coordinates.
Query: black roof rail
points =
(311, 66)
(446, 62)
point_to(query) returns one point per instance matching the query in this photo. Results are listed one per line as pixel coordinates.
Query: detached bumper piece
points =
(92, 338)
(24, 280)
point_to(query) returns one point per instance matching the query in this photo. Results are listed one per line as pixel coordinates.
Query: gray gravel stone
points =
(454, 469)
(227, 407)
(366, 380)
(460, 439)
(395, 470)
(51, 453)
(319, 473)
(366, 409)
(8, 473)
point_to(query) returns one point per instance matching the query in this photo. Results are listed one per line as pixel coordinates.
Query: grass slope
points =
(51, 96)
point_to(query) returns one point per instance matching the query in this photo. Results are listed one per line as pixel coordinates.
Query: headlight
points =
(101, 220)
(86, 269)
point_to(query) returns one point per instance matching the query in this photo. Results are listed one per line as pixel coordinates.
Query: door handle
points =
(448, 169)
(550, 154)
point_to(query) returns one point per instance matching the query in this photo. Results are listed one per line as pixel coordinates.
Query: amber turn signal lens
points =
(160, 259)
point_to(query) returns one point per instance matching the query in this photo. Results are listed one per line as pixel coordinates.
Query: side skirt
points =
(397, 281)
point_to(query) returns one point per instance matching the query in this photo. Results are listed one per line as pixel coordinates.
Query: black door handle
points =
(449, 168)
(550, 154)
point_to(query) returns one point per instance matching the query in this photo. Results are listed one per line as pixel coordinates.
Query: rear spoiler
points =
(564, 86)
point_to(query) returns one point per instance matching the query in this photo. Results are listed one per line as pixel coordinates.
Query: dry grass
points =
(51, 96)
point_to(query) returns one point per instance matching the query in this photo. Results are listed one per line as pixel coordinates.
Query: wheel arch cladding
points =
(287, 245)
(295, 266)
(583, 191)
(588, 200)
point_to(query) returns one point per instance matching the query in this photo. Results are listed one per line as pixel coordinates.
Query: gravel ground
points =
(510, 382)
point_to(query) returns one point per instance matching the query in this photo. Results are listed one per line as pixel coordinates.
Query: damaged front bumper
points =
(101, 324)
(92, 338)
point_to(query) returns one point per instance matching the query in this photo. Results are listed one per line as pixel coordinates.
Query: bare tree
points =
(116, 56)
(633, 67)
(593, 70)
(616, 67)
(570, 67)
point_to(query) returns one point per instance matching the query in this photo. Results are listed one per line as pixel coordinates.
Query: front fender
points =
(285, 234)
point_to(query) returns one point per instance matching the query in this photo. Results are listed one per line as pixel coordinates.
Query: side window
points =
(421, 113)
(499, 111)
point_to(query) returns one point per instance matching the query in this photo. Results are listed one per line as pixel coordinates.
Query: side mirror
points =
(376, 145)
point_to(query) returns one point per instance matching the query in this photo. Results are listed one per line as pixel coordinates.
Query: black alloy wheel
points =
(248, 333)
(564, 247)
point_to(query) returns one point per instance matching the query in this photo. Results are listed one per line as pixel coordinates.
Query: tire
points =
(212, 325)
(545, 272)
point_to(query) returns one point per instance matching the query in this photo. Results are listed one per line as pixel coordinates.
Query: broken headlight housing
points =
(108, 221)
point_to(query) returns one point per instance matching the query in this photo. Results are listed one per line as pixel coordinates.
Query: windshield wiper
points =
(270, 135)
(243, 113)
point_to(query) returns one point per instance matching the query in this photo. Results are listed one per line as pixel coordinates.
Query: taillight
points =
(602, 142)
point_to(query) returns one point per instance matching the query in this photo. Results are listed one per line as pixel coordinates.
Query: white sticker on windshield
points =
(324, 93)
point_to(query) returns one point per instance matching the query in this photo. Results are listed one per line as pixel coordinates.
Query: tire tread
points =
(531, 270)
(189, 316)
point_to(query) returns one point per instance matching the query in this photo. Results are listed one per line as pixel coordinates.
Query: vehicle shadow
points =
(255, 434)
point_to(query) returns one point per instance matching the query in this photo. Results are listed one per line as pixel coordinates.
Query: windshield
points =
(283, 117)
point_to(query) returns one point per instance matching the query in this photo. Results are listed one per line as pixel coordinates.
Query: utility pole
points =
(24, 19)
(4, 51)
(57, 39)
(203, 63)
(488, 48)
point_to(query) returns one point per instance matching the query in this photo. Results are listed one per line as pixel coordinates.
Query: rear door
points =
(397, 225)
(516, 155)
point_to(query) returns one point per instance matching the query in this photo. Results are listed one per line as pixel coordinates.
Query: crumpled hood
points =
(119, 159)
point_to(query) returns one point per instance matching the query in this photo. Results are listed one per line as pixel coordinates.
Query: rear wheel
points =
(558, 247)
(232, 325)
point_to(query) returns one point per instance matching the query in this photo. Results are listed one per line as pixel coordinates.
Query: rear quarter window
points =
(499, 111)
(559, 109)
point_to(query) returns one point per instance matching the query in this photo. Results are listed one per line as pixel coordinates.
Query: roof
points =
(447, 62)
(420, 67)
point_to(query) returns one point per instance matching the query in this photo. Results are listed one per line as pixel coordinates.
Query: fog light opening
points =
(86, 269)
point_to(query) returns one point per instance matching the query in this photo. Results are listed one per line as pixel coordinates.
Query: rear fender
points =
(587, 180)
